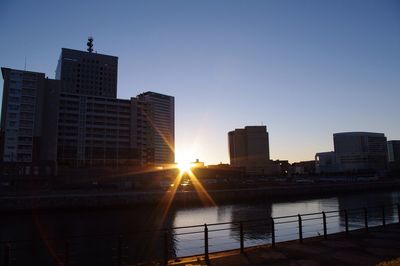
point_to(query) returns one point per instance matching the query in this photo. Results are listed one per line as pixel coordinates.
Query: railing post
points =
(383, 216)
(324, 222)
(300, 229)
(119, 251)
(241, 238)
(273, 231)
(366, 219)
(7, 255)
(346, 222)
(166, 250)
(66, 263)
(206, 257)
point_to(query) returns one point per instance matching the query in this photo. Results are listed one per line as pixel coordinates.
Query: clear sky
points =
(306, 69)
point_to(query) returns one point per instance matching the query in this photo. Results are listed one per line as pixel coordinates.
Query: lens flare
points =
(184, 167)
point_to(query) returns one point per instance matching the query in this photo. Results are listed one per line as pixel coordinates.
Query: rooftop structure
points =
(88, 73)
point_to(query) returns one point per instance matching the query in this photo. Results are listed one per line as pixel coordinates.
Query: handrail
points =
(267, 220)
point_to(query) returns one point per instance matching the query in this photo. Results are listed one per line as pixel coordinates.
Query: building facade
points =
(156, 126)
(249, 148)
(325, 162)
(97, 131)
(360, 151)
(77, 120)
(28, 123)
(87, 73)
(249, 145)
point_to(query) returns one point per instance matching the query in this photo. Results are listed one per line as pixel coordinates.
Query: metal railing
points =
(195, 240)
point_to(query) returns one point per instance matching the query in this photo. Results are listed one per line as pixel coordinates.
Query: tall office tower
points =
(394, 154)
(88, 73)
(360, 151)
(249, 147)
(29, 123)
(156, 128)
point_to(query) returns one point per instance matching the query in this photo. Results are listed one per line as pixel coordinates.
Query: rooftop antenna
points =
(25, 64)
(90, 44)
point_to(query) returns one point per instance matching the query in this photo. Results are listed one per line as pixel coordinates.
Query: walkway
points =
(360, 248)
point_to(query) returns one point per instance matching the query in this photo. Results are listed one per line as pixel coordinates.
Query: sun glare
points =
(184, 166)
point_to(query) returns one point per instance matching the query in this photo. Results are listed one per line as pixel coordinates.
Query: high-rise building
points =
(28, 123)
(77, 121)
(96, 128)
(249, 148)
(87, 73)
(360, 151)
(156, 128)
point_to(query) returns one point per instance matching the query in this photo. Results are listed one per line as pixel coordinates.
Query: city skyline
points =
(297, 69)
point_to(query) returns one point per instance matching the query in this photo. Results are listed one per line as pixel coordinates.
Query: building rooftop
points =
(86, 52)
(359, 133)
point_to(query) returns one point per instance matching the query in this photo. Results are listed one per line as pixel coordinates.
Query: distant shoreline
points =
(127, 199)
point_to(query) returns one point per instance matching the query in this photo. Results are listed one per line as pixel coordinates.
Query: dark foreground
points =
(359, 248)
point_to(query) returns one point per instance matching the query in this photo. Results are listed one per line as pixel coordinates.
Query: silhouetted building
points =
(222, 174)
(156, 128)
(249, 148)
(304, 168)
(87, 73)
(77, 121)
(360, 151)
(355, 152)
(325, 162)
(97, 131)
(28, 123)
(284, 167)
(394, 154)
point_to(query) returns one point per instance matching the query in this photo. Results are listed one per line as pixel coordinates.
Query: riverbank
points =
(123, 199)
(359, 248)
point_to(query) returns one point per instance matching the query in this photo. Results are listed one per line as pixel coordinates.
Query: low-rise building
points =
(304, 168)
(325, 162)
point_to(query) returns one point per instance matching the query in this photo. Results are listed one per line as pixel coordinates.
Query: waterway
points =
(99, 237)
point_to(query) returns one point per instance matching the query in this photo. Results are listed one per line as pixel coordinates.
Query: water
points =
(92, 236)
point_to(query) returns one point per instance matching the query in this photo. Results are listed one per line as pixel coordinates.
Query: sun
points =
(184, 166)
(184, 159)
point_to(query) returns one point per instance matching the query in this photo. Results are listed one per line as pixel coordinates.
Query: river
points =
(49, 238)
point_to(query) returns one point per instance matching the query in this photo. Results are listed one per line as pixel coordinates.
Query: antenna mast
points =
(90, 44)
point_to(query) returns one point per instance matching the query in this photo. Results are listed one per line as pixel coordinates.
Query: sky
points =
(305, 69)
